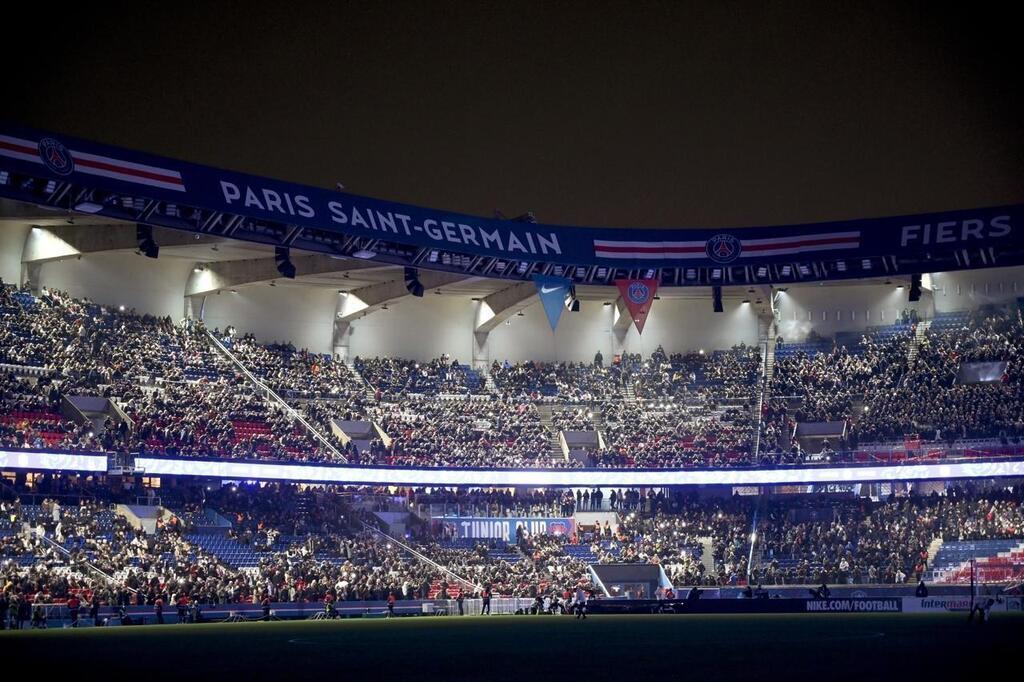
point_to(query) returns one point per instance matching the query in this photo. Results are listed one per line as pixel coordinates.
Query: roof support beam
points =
(502, 305)
(61, 242)
(622, 318)
(235, 273)
(364, 300)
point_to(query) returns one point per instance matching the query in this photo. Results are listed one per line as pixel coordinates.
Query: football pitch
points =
(820, 647)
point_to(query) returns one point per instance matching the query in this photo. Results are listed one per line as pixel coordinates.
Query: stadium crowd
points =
(932, 400)
(568, 382)
(182, 397)
(319, 545)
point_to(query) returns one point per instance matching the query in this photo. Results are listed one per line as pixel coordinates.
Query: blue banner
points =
(494, 528)
(258, 200)
(552, 292)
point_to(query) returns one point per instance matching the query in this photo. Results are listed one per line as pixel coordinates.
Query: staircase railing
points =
(93, 567)
(767, 349)
(422, 557)
(751, 571)
(292, 412)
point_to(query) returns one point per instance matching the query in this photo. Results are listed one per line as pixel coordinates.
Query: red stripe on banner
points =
(24, 149)
(100, 165)
(783, 244)
(649, 249)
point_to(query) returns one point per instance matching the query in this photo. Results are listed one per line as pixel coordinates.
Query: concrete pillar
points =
(481, 351)
(341, 339)
(31, 274)
(194, 307)
(620, 324)
(342, 332)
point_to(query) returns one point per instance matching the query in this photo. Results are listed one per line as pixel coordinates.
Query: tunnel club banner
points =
(552, 292)
(488, 528)
(638, 295)
(148, 177)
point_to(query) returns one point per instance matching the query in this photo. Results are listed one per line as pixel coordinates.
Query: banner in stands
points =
(932, 604)
(894, 605)
(552, 292)
(181, 184)
(489, 528)
(47, 461)
(638, 295)
(981, 372)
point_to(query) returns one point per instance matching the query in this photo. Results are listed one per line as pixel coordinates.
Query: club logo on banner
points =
(552, 292)
(638, 295)
(723, 248)
(56, 156)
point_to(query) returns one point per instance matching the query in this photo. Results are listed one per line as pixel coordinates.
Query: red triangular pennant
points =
(638, 295)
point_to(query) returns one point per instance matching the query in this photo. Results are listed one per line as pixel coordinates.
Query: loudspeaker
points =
(915, 288)
(572, 304)
(144, 235)
(412, 282)
(284, 264)
(716, 295)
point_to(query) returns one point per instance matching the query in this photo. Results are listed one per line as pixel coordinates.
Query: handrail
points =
(753, 541)
(109, 578)
(459, 579)
(292, 412)
(761, 396)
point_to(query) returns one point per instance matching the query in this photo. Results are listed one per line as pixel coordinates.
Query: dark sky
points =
(664, 114)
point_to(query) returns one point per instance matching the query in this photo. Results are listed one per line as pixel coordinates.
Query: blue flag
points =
(552, 292)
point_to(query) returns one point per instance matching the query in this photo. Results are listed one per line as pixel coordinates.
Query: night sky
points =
(616, 114)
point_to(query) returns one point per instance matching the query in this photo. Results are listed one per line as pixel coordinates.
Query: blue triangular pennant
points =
(552, 292)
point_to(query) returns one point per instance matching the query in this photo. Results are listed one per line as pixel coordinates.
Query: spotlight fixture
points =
(572, 303)
(915, 288)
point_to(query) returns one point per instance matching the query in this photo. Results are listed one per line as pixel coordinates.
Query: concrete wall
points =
(123, 278)
(12, 242)
(418, 329)
(302, 315)
(829, 309)
(972, 288)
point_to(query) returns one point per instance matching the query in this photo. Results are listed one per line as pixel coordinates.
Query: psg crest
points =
(557, 528)
(638, 293)
(56, 156)
(723, 248)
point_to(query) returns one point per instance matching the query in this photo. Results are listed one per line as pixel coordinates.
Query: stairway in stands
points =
(326, 441)
(767, 372)
(707, 556)
(933, 550)
(368, 391)
(628, 394)
(915, 342)
(544, 412)
(485, 373)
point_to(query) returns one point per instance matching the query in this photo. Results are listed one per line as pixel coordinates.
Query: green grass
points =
(625, 648)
